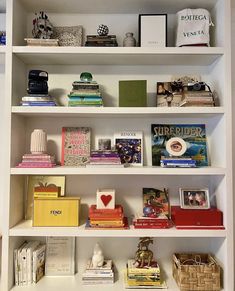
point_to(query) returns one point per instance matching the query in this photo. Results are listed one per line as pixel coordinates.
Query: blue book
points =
(49, 103)
(85, 99)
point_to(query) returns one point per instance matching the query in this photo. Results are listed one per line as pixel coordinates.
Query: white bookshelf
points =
(118, 111)
(118, 55)
(25, 228)
(155, 171)
(108, 66)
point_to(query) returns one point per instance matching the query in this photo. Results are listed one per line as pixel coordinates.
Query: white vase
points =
(38, 144)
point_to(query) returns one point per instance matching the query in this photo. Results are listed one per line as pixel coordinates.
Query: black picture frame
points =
(141, 17)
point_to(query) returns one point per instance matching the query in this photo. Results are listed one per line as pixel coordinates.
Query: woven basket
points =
(189, 276)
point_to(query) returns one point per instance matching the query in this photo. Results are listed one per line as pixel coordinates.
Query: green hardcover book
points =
(133, 93)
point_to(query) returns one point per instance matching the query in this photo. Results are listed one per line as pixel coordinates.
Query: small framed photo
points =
(194, 198)
(153, 30)
(104, 144)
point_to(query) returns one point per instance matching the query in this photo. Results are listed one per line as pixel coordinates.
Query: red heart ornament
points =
(106, 199)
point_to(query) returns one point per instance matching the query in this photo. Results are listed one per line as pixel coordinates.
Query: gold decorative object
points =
(143, 254)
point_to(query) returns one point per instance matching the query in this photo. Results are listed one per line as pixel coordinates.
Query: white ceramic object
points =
(97, 258)
(38, 144)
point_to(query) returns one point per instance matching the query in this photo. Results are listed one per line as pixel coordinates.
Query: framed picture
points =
(153, 30)
(194, 198)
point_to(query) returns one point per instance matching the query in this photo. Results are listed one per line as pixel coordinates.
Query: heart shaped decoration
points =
(106, 199)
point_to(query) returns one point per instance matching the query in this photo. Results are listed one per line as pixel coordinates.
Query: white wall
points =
(233, 89)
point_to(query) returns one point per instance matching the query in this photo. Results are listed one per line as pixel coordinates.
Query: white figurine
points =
(97, 258)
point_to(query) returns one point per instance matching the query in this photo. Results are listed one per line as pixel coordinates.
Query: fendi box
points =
(63, 211)
(197, 218)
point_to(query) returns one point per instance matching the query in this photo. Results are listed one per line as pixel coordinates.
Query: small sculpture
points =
(102, 30)
(97, 258)
(143, 254)
(42, 27)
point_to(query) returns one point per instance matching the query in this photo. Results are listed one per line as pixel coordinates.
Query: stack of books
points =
(161, 221)
(146, 277)
(37, 161)
(29, 263)
(177, 162)
(106, 218)
(85, 94)
(198, 98)
(98, 275)
(38, 100)
(105, 158)
(97, 40)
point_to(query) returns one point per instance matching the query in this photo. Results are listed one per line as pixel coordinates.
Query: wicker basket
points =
(190, 276)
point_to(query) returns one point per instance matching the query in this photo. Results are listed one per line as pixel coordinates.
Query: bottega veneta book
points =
(194, 141)
(75, 146)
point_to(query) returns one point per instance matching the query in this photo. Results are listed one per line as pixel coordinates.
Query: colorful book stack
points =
(105, 157)
(146, 222)
(156, 210)
(38, 100)
(98, 40)
(106, 218)
(37, 161)
(29, 263)
(98, 275)
(85, 94)
(147, 277)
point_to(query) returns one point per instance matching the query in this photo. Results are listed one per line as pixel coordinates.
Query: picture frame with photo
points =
(194, 198)
(153, 30)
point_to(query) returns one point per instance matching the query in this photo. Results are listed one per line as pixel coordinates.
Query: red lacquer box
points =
(197, 218)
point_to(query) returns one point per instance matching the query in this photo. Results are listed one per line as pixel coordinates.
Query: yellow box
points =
(63, 211)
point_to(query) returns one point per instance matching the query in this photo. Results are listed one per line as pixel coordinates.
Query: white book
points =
(60, 256)
(24, 263)
(29, 255)
(129, 145)
(19, 261)
(16, 269)
(39, 263)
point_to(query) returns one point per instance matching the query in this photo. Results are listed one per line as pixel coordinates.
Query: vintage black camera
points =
(37, 83)
(197, 86)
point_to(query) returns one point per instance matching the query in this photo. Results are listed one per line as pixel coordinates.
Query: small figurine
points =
(102, 30)
(42, 27)
(97, 258)
(144, 255)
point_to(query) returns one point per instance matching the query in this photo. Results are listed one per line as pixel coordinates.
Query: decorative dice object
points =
(102, 30)
(105, 199)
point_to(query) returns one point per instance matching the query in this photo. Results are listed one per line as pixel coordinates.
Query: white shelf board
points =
(146, 170)
(120, 6)
(25, 228)
(32, 111)
(184, 56)
(74, 283)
